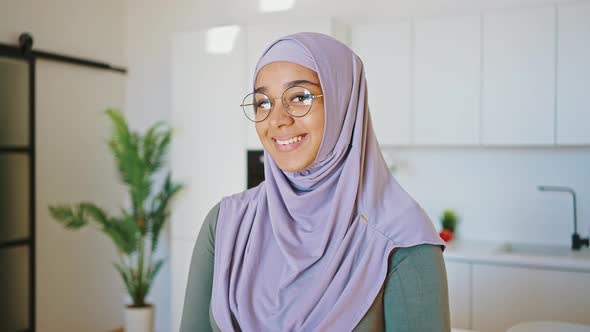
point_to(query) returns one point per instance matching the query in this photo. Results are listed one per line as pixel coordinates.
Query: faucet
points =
(577, 241)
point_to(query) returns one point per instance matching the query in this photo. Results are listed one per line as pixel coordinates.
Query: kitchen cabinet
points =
(515, 77)
(518, 105)
(447, 81)
(385, 50)
(506, 295)
(259, 36)
(458, 278)
(573, 75)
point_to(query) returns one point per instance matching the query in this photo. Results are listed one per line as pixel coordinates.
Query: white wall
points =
(85, 28)
(77, 286)
(494, 190)
(78, 289)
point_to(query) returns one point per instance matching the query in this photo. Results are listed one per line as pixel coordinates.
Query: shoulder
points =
(206, 238)
(423, 257)
(243, 198)
(419, 270)
(233, 208)
(415, 297)
(235, 201)
(211, 218)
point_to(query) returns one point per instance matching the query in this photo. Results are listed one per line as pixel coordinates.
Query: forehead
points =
(280, 73)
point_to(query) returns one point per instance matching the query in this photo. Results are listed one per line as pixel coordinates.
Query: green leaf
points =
(152, 274)
(153, 149)
(159, 208)
(449, 219)
(126, 279)
(126, 232)
(133, 169)
(96, 213)
(67, 216)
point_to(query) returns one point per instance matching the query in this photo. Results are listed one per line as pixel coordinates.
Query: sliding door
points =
(17, 164)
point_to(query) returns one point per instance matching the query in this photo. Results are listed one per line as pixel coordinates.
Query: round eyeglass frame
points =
(313, 97)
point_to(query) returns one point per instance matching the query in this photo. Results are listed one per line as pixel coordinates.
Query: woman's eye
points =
(303, 98)
(263, 104)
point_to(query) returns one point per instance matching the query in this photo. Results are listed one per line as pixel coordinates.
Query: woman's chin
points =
(292, 165)
(291, 168)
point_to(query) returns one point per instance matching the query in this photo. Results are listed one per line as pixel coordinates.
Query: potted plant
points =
(449, 222)
(134, 231)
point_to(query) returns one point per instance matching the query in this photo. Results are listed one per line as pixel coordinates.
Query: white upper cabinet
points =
(573, 75)
(447, 81)
(518, 106)
(385, 50)
(259, 36)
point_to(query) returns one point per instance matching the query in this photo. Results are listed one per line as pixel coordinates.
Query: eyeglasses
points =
(297, 101)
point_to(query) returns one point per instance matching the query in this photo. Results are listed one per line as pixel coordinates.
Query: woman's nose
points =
(278, 116)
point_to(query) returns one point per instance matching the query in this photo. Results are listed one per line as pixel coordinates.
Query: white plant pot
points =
(139, 319)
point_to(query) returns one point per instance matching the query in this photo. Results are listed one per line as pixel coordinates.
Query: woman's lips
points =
(291, 146)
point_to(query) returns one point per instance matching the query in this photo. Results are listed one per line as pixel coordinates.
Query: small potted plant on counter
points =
(134, 231)
(449, 222)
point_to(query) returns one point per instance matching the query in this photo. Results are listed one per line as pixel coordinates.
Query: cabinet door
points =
(208, 151)
(459, 280)
(259, 36)
(447, 81)
(385, 50)
(504, 296)
(519, 77)
(573, 75)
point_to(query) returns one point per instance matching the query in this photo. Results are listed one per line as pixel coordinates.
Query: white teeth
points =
(289, 141)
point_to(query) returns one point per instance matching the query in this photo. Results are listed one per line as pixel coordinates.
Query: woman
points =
(329, 241)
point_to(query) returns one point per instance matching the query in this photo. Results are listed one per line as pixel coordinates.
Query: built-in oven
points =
(255, 167)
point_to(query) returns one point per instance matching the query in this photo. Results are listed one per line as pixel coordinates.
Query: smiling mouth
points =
(290, 144)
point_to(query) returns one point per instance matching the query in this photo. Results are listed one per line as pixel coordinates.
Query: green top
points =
(414, 295)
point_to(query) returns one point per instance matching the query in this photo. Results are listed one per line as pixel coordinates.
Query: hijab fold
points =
(309, 250)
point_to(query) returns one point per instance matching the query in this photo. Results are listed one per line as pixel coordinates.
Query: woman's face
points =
(279, 127)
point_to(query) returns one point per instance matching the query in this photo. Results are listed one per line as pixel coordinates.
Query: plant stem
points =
(140, 293)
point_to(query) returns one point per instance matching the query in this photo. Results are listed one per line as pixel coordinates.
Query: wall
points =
(494, 190)
(77, 287)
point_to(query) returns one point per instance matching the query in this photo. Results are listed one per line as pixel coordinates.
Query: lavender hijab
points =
(308, 250)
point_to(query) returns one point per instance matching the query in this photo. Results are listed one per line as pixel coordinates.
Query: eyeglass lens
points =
(297, 101)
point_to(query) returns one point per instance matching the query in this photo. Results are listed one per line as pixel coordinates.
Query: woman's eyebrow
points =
(262, 89)
(298, 82)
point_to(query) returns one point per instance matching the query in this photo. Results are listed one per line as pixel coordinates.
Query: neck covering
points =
(309, 250)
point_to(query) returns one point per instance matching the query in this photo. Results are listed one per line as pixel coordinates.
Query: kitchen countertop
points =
(539, 256)
(549, 326)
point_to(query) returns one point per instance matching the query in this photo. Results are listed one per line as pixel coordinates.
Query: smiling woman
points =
(329, 241)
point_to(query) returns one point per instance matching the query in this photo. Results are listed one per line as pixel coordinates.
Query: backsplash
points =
(494, 189)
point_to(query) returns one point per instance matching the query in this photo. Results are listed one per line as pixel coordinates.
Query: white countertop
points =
(549, 326)
(540, 256)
